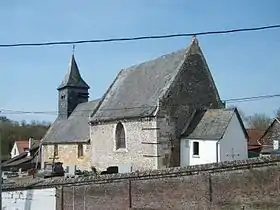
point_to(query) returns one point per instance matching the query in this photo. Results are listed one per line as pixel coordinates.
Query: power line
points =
(140, 37)
(232, 100)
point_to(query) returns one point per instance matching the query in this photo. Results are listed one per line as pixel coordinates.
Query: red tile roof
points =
(254, 136)
(21, 145)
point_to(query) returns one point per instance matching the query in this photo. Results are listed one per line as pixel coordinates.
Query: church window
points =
(55, 150)
(80, 150)
(195, 148)
(120, 136)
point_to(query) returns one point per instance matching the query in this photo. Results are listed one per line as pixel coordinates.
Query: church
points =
(138, 122)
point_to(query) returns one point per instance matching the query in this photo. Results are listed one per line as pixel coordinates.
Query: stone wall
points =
(140, 152)
(193, 88)
(68, 155)
(248, 184)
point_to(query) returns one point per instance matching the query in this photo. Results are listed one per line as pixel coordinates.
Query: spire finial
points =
(194, 39)
(73, 49)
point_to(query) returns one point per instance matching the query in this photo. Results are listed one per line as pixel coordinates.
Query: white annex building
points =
(219, 135)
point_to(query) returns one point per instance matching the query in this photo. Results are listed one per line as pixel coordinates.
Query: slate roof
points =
(16, 158)
(75, 128)
(271, 133)
(137, 90)
(210, 124)
(73, 77)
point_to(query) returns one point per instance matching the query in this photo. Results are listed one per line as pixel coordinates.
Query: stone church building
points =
(139, 120)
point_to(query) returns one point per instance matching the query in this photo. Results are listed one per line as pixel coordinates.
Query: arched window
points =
(120, 136)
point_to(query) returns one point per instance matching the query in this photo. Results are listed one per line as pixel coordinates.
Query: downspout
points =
(217, 150)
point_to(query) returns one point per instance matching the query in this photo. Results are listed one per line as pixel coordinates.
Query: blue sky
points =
(242, 64)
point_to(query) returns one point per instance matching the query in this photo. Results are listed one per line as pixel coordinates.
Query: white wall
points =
(233, 142)
(207, 152)
(41, 199)
(12, 151)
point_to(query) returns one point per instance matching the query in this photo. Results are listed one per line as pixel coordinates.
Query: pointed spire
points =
(73, 77)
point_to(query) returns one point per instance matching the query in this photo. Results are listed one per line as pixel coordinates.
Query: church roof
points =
(73, 77)
(136, 90)
(75, 128)
(211, 124)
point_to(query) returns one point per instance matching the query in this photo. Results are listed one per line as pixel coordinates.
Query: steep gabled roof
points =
(271, 133)
(136, 90)
(75, 128)
(73, 77)
(264, 139)
(211, 124)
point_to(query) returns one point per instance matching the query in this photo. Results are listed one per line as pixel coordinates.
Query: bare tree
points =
(259, 121)
(277, 113)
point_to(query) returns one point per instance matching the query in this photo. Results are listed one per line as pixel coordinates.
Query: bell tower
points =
(72, 91)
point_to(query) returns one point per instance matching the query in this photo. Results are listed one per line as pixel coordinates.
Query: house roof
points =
(254, 136)
(271, 133)
(18, 157)
(211, 124)
(75, 128)
(265, 138)
(21, 145)
(19, 161)
(137, 90)
(73, 77)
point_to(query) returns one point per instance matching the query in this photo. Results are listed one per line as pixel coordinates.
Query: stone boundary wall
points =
(154, 174)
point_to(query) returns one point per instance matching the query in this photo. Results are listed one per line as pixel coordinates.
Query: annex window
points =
(195, 148)
(55, 150)
(80, 150)
(275, 144)
(120, 136)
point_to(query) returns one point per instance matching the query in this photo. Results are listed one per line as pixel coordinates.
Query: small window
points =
(62, 96)
(80, 150)
(275, 144)
(195, 148)
(15, 151)
(55, 151)
(120, 136)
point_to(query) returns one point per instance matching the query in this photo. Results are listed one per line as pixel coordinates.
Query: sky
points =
(242, 64)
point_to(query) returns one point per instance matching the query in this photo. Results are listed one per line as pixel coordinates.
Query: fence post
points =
(210, 187)
(129, 194)
(62, 199)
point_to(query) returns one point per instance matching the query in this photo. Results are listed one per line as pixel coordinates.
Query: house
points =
(19, 147)
(29, 158)
(68, 138)
(138, 122)
(254, 147)
(270, 138)
(214, 135)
